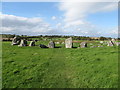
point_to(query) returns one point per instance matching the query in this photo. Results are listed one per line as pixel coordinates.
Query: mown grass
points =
(35, 67)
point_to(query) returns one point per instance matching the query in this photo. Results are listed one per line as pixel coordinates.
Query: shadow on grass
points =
(58, 46)
(74, 47)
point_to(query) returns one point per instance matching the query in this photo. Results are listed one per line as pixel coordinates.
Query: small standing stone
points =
(83, 44)
(23, 43)
(68, 43)
(32, 43)
(51, 44)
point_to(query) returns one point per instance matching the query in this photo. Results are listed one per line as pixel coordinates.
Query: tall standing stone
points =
(83, 44)
(51, 44)
(113, 40)
(32, 43)
(68, 43)
(110, 43)
(23, 43)
(16, 41)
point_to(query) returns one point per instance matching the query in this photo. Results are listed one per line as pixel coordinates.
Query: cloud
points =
(22, 25)
(37, 26)
(58, 25)
(12, 24)
(54, 17)
(74, 11)
(113, 32)
(75, 14)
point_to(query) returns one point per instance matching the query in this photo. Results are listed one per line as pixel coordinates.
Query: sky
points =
(92, 19)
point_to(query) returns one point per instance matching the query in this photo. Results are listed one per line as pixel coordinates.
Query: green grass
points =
(35, 67)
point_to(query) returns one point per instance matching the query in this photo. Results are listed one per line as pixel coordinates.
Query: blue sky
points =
(87, 19)
(31, 9)
(105, 19)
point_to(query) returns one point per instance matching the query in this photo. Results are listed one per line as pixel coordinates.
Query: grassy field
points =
(35, 67)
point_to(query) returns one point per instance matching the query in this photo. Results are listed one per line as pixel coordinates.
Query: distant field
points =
(35, 67)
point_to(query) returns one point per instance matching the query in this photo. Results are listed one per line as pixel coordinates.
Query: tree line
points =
(42, 37)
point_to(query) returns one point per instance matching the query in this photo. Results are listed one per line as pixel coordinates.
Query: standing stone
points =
(23, 43)
(83, 44)
(51, 44)
(32, 43)
(110, 43)
(113, 40)
(68, 43)
(16, 41)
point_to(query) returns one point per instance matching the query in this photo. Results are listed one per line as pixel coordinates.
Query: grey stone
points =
(83, 44)
(51, 44)
(110, 43)
(113, 39)
(16, 41)
(23, 43)
(68, 43)
(32, 43)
